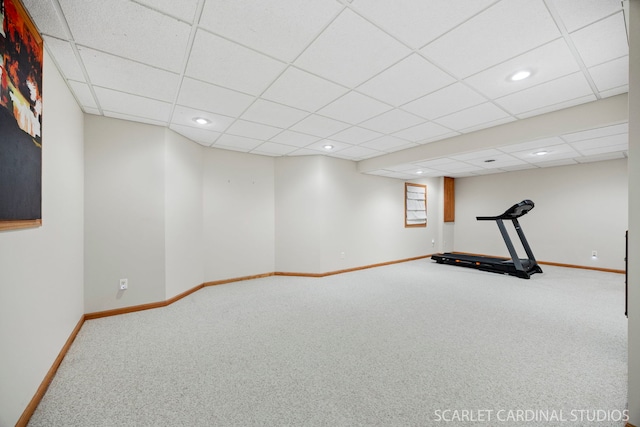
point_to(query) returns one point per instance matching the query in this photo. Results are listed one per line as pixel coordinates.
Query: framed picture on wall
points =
(20, 118)
(415, 205)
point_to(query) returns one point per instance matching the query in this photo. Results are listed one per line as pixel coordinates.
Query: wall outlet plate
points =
(124, 284)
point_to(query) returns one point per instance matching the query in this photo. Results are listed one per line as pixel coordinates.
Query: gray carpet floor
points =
(411, 344)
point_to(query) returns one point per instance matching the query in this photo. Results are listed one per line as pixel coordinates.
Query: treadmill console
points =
(515, 211)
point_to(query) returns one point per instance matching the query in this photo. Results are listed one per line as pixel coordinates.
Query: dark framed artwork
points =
(20, 119)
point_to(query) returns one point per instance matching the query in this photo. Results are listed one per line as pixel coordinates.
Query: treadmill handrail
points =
(515, 211)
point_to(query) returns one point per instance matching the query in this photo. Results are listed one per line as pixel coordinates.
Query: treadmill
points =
(519, 267)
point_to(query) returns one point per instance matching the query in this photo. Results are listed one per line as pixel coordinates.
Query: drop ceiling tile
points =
(474, 116)
(271, 148)
(603, 144)
(602, 41)
(302, 90)
(212, 98)
(219, 61)
(83, 94)
(392, 121)
(296, 139)
(506, 27)
(596, 151)
(554, 163)
(318, 147)
(388, 144)
(252, 130)
(614, 91)
(546, 63)
(611, 74)
(132, 105)
(303, 152)
(554, 153)
(350, 51)
(558, 106)
(546, 94)
(622, 128)
(407, 80)
(319, 126)
(354, 108)
(357, 153)
(132, 118)
(491, 123)
(481, 154)
(270, 113)
(601, 157)
(201, 136)
(185, 115)
(400, 168)
(400, 175)
(424, 172)
(424, 132)
(45, 17)
(355, 135)
(419, 22)
(456, 166)
(65, 58)
(445, 101)
(532, 146)
(281, 28)
(121, 74)
(93, 111)
(435, 162)
(518, 167)
(498, 161)
(237, 143)
(112, 26)
(183, 9)
(576, 14)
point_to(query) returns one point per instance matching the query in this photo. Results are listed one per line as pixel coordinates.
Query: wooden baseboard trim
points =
(583, 267)
(238, 279)
(35, 401)
(184, 294)
(630, 425)
(364, 267)
(124, 310)
(159, 304)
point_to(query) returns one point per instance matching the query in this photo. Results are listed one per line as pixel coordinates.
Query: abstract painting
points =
(20, 119)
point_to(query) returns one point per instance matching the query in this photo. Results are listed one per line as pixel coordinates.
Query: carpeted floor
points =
(411, 344)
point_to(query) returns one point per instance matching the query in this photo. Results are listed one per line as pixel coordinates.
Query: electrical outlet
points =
(342, 255)
(124, 284)
(594, 254)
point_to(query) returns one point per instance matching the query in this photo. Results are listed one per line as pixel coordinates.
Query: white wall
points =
(298, 214)
(41, 269)
(325, 208)
(124, 213)
(238, 220)
(578, 209)
(183, 214)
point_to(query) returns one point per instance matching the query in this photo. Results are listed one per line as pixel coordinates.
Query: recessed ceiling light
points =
(419, 172)
(541, 153)
(201, 121)
(520, 75)
(328, 147)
